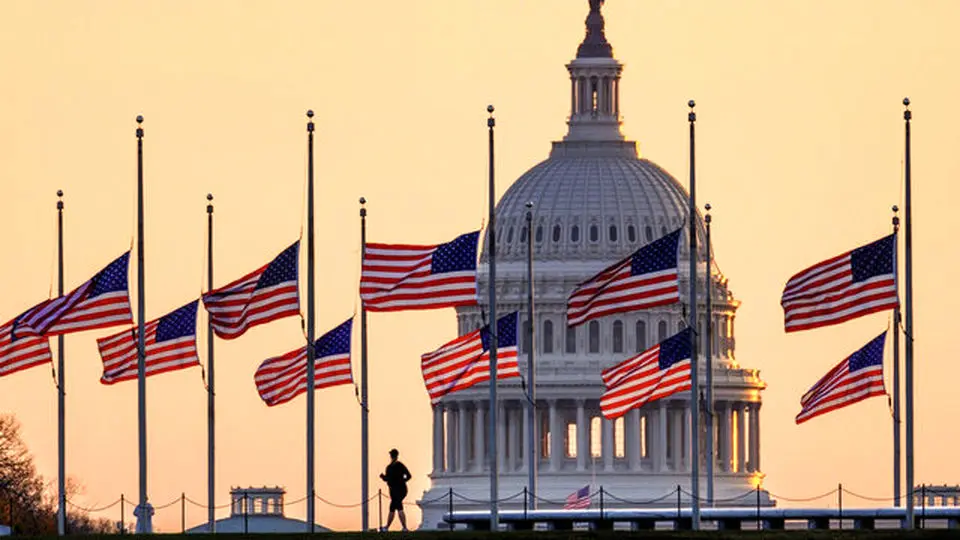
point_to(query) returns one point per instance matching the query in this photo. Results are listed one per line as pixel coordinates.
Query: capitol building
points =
(594, 201)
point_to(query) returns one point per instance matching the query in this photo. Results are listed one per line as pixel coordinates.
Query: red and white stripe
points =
(282, 378)
(239, 305)
(21, 353)
(119, 354)
(839, 388)
(825, 294)
(463, 363)
(398, 277)
(632, 387)
(615, 290)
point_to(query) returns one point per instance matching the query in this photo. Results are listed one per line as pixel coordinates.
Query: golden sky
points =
(799, 150)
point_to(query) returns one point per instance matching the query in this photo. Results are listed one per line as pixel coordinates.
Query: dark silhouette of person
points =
(396, 477)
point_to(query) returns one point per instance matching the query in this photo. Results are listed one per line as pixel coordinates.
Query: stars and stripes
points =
(399, 277)
(101, 302)
(578, 500)
(18, 353)
(656, 373)
(851, 285)
(266, 294)
(170, 343)
(858, 377)
(283, 378)
(645, 279)
(465, 361)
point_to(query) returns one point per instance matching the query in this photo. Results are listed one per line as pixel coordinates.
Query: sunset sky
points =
(799, 151)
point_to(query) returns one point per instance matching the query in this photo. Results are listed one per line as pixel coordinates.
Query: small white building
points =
(257, 510)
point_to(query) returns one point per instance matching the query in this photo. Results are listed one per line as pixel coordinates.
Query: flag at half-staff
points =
(645, 279)
(851, 285)
(398, 277)
(282, 378)
(656, 373)
(170, 343)
(856, 378)
(18, 353)
(101, 302)
(465, 361)
(264, 295)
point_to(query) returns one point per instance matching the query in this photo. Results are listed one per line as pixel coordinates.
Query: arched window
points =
(523, 235)
(641, 331)
(539, 236)
(556, 233)
(510, 235)
(575, 234)
(618, 336)
(594, 233)
(612, 234)
(661, 331)
(571, 340)
(649, 233)
(663, 230)
(594, 331)
(631, 234)
(596, 436)
(619, 437)
(547, 336)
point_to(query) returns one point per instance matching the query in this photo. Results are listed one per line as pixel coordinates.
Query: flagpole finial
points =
(907, 114)
(209, 203)
(896, 218)
(906, 102)
(139, 127)
(490, 121)
(139, 118)
(59, 199)
(363, 209)
(707, 218)
(692, 116)
(310, 121)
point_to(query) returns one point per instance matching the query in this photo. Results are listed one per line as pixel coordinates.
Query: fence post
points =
(923, 504)
(183, 512)
(450, 507)
(601, 503)
(246, 506)
(123, 524)
(678, 506)
(840, 505)
(380, 508)
(759, 522)
(525, 503)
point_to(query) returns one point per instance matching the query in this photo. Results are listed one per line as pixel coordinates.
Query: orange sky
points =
(800, 143)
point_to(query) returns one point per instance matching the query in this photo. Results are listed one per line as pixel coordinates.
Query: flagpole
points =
(364, 411)
(211, 394)
(311, 352)
(694, 359)
(533, 465)
(908, 331)
(492, 250)
(708, 353)
(61, 389)
(145, 517)
(896, 368)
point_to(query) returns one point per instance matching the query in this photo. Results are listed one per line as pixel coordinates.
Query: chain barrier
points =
(93, 510)
(804, 499)
(335, 505)
(486, 501)
(168, 505)
(746, 494)
(866, 498)
(640, 503)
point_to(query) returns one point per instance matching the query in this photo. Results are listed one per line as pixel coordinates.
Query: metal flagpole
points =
(211, 394)
(311, 352)
(494, 404)
(533, 462)
(61, 389)
(896, 368)
(144, 519)
(708, 354)
(694, 359)
(364, 410)
(908, 331)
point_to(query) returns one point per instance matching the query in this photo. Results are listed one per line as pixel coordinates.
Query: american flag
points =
(656, 373)
(848, 286)
(266, 294)
(283, 378)
(18, 353)
(579, 499)
(399, 277)
(857, 378)
(465, 361)
(101, 302)
(646, 279)
(170, 343)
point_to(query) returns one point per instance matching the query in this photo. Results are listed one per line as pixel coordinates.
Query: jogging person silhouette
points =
(396, 477)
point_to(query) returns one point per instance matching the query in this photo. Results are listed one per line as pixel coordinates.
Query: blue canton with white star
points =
(656, 256)
(869, 355)
(178, 324)
(675, 348)
(458, 255)
(281, 269)
(335, 342)
(875, 259)
(506, 332)
(112, 278)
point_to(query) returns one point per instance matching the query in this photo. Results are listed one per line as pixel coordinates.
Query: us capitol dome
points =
(594, 201)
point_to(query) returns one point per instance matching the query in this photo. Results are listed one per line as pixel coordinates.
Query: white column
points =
(437, 438)
(676, 445)
(479, 430)
(741, 437)
(524, 445)
(755, 437)
(462, 438)
(661, 454)
(606, 447)
(631, 432)
(451, 437)
(726, 439)
(688, 450)
(501, 436)
(582, 448)
(516, 437)
(556, 441)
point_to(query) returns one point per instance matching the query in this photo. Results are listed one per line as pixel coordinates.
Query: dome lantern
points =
(594, 85)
